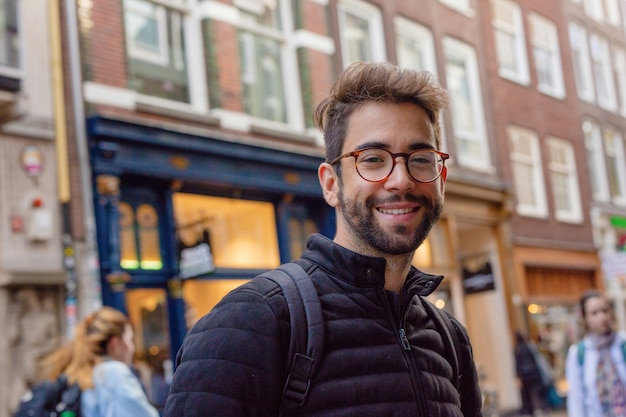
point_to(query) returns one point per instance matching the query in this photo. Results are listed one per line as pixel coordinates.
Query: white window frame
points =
(372, 15)
(613, 12)
(614, 148)
(515, 31)
(619, 69)
(603, 72)
(422, 37)
(568, 169)
(536, 180)
(594, 9)
(540, 26)
(161, 55)
(462, 6)
(582, 62)
(595, 160)
(460, 51)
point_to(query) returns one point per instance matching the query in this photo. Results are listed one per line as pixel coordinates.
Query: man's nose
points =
(400, 178)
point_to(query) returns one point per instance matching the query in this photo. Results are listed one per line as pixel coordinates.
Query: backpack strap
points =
(307, 330)
(581, 353)
(448, 331)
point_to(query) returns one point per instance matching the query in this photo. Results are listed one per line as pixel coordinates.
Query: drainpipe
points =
(63, 177)
(91, 278)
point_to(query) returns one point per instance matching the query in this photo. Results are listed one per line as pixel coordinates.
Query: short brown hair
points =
(364, 82)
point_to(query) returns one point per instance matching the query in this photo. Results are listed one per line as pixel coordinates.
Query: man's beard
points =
(363, 223)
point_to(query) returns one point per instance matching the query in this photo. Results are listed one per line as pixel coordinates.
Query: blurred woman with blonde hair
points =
(98, 359)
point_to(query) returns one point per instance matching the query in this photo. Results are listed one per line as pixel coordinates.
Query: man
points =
(382, 353)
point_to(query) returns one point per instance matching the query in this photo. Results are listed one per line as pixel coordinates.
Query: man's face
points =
(393, 216)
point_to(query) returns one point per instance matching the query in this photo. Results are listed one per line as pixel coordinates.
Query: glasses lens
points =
(425, 165)
(374, 164)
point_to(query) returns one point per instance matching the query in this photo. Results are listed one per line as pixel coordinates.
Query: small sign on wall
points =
(31, 159)
(477, 274)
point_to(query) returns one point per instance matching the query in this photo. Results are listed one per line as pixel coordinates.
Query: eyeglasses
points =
(376, 164)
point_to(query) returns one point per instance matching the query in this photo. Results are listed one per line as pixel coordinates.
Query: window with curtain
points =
(603, 73)
(361, 32)
(595, 160)
(155, 49)
(527, 172)
(466, 106)
(564, 181)
(616, 164)
(546, 52)
(414, 46)
(9, 37)
(581, 62)
(508, 30)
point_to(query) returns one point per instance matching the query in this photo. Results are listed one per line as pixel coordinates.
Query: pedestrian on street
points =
(383, 355)
(595, 368)
(98, 359)
(533, 382)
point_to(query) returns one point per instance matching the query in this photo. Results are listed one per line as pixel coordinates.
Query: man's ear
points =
(330, 183)
(443, 177)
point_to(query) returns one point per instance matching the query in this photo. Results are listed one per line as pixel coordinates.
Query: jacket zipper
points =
(406, 348)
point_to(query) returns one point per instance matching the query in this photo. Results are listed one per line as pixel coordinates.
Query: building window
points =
(547, 56)
(527, 172)
(509, 37)
(460, 5)
(466, 105)
(361, 32)
(593, 9)
(155, 50)
(564, 179)
(9, 37)
(612, 12)
(595, 160)
(603, 73)
(140, 246)
(581, 61)
(616, 164)
(415, 47)
(261, 42)
(619, 68)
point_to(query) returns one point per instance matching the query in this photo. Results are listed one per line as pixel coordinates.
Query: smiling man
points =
(383, 353)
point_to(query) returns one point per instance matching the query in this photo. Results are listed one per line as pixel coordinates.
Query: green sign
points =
(619, 222)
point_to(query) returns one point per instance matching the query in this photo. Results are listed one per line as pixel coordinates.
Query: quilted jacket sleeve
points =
(232, 361)
(471, 398)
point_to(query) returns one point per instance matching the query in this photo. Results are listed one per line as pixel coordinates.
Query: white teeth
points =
(395, 211)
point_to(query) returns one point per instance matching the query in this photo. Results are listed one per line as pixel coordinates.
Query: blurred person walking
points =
(595, 367)
(98, 359)
(534, 379)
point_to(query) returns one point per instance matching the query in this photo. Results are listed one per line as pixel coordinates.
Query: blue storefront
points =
(182, 217)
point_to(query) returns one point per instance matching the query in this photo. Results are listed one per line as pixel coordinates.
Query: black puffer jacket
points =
(233, 361)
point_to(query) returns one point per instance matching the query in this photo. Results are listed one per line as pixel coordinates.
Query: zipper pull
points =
(404, 340)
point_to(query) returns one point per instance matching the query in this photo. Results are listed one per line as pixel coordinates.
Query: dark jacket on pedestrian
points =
(233, 361)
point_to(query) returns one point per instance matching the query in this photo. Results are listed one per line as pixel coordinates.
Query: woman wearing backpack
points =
(98, 361)
(595, 367)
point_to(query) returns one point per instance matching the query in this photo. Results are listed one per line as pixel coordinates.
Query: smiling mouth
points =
(397, 210)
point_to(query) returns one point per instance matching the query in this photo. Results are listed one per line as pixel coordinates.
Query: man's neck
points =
(396, 270)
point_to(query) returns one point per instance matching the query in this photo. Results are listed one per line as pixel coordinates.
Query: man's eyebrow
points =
(413, 146)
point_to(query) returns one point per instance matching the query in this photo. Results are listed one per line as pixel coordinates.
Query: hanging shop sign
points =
(477, 274)
(197, 259)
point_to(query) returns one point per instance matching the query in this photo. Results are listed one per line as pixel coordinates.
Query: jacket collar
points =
(362, 270)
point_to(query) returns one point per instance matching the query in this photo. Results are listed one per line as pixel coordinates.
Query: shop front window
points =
(139, 237)
(241, 234)
(148, 314)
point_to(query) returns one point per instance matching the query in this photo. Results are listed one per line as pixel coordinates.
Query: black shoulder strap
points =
(448, 331)
(307, 330)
